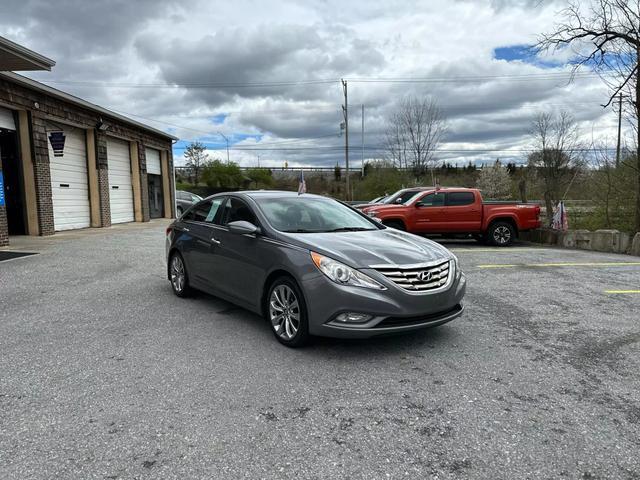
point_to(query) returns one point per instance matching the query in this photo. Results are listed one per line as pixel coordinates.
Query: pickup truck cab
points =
(459, 211)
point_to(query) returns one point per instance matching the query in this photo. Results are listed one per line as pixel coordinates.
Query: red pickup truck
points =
(459, 211)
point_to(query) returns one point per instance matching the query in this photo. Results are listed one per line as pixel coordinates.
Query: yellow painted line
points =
(500, 249)
(622, 291)
(562, 264)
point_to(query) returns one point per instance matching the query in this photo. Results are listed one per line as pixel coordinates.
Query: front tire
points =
(286, 312)
(178, 276)
(501, 234)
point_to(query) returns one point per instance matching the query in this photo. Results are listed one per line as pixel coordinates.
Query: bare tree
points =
(556, 154)
(197, 158)
(605, 35)
(413, 134)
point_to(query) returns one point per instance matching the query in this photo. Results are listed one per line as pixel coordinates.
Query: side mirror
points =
(419, 204)
(242, 227)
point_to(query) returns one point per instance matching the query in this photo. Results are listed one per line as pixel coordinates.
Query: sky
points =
(266, 74)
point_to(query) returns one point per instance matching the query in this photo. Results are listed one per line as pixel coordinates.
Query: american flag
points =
(302, 185)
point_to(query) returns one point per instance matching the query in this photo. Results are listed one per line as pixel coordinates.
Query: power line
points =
(290, 83)
(338, 148)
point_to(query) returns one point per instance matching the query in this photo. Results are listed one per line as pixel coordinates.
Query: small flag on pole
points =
(560, 220)
(302, 185)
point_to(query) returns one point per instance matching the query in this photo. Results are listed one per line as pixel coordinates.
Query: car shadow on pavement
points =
(256, 328)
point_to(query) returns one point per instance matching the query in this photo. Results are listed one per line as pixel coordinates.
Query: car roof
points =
(256, 194)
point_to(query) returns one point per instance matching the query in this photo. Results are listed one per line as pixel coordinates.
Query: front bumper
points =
(394, 310)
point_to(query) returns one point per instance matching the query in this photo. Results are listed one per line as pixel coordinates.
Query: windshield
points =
(307, 215)
(402, 197)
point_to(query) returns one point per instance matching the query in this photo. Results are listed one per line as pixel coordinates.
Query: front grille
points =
(408, 321)
(418, 279)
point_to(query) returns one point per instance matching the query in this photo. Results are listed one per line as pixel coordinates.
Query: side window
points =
(432, 200)
(205, 211)
(235, 210)
(458, 199)
(406, 196)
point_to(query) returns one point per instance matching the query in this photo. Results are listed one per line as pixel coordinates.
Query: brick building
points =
(67, 163)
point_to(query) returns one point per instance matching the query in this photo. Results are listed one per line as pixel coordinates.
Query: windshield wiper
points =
(351, 229)
(301, 230)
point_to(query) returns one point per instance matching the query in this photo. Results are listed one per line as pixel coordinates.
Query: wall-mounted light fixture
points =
(101, 126)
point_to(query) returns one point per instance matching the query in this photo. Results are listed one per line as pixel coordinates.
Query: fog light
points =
(353, 317)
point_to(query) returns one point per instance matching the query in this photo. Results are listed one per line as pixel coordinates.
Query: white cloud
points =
(203, 42)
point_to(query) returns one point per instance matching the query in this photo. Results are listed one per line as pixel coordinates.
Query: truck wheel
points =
(395, 224)
(501, 234)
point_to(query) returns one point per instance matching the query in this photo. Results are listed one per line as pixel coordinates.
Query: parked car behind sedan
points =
(312, 266)
(184, 200)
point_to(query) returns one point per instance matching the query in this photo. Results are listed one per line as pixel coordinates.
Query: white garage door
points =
(69, 186)
(153, 161)
(6, 119)
(120, 188)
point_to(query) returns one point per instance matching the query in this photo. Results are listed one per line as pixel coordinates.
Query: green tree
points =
(218, 174)
(260, 177)
(197, 158)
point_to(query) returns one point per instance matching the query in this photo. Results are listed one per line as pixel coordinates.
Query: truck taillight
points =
(168, 231)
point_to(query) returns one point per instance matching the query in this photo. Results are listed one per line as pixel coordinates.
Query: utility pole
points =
(345, 113)
(619, 129)
(362, 173)
(226, 140)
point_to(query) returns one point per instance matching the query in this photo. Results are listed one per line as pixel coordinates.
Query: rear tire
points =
(501, 234)
(286, 313)
(178, 276)
(398, 225)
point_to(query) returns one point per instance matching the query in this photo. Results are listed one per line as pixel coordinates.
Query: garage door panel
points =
(120, 198)
(153, 161)
(69, 185)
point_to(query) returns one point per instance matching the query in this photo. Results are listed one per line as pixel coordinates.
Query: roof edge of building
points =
(39, 61)
(34, 84)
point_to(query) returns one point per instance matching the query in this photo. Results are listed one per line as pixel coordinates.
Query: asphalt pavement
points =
(105, 374)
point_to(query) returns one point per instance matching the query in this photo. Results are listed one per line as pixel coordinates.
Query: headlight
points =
(342, 274)
(456, 265)
(372, 214)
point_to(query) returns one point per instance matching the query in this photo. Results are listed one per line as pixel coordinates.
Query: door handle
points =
(216, 241)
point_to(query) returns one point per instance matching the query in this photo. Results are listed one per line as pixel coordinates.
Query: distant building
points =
(67, 163)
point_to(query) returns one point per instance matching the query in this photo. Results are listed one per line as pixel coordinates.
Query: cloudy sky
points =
(265, 73)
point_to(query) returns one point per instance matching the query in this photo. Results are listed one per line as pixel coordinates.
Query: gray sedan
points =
(312, 266)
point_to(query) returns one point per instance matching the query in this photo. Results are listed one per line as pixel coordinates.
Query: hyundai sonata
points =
(312, 266)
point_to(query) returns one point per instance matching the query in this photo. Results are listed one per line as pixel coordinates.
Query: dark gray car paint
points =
(239, 268)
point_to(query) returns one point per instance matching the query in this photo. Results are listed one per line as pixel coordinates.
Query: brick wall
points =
(4, 228)
(172, 185)
(144, 183)
(42, 175)
(103, 179)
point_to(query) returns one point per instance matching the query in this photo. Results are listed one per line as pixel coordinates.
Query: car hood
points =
(383, 207)
(377, 247)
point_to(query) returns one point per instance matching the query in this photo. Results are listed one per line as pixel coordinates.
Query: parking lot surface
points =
(105, 374)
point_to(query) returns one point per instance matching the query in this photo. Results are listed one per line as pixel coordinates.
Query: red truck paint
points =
(459, 211)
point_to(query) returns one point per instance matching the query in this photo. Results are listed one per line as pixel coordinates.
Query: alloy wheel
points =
(177, 274)
(284, 312)
(502, 235)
